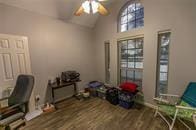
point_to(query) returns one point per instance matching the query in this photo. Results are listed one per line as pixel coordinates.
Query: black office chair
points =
(18, 101)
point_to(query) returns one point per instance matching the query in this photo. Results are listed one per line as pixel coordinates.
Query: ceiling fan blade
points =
(102, 10)
(79, 11)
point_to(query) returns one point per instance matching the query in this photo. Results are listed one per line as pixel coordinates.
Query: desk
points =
(62, 85)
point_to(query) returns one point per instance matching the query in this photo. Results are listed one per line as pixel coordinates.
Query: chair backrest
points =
(189, 95)
(22, 90)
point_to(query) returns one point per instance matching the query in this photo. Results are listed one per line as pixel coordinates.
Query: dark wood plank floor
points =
(98, 114)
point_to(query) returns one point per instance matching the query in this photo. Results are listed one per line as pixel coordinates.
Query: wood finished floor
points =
(98, 114)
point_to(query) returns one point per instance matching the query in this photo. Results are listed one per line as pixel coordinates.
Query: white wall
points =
(177, 15)
(55, 46)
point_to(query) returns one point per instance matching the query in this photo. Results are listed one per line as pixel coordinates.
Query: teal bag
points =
(189, 95)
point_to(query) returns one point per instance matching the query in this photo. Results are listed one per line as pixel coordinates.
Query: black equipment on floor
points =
(112, 96)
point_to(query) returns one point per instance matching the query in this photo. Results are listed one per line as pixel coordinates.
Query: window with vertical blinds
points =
(163, 62)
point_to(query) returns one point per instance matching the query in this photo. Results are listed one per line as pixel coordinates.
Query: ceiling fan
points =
(92, 7)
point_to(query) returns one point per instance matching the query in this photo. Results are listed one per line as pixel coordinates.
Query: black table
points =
(62, 85)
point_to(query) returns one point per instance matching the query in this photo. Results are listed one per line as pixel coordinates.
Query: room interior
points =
(149, 43)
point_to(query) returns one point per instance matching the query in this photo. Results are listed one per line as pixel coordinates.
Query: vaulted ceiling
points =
(61, 9)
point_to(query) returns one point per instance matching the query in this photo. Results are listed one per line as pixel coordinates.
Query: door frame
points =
(107, 61)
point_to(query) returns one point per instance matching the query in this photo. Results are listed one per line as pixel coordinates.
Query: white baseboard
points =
(31, 115)
(145, 103)
(41, 105)
(63, 98)
(150, 105)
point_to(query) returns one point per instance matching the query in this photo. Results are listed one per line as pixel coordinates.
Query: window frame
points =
(140, 70)
(158, 71)
(126, 5)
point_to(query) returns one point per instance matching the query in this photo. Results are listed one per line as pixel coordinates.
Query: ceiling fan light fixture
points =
(95, 7)
(86, 6)
(91, 7)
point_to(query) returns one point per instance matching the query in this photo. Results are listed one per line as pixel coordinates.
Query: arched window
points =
(131, 16)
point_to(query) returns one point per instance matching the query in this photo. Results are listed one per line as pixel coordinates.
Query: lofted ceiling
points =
(60, 9)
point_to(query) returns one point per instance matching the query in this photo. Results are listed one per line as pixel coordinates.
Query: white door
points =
(14, 60)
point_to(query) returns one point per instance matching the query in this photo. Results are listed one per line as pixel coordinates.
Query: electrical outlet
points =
(37, 97)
